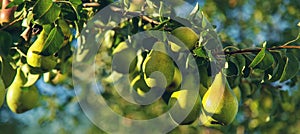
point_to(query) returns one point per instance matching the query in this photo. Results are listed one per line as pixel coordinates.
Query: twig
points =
(146, 18)
(12, 23)
(292, 41)
(92, 4)
(19, 51)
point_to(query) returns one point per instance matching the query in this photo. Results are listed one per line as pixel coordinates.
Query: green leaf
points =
(259, 57)
(200, 52)
(278, 70)
(291, 67)
(249, 58)
(53, 42)
(231, 70)
(8, 72)
(14, 3)
(76, 2)
(45, 12)
(239, 61)
(267, 61)
(5, 42)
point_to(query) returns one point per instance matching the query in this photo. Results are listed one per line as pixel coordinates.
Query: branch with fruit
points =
(42, 49)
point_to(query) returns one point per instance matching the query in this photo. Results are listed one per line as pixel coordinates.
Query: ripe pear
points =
(2, 92)
(34, 58)
(21, 99)
(182, 97)
(158, 67)
(220, 104)
(124, 58)
(187, 36)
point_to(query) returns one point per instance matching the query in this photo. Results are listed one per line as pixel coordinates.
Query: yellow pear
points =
(220, 104)
(158, 67)
(21, 99)
(183, 98)
(34, 58)
(2, 92)
(187, 36)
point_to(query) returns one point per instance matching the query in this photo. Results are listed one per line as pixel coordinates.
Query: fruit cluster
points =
(155, 69)
(43, 58)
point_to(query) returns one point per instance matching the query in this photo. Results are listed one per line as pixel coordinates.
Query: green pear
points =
(139, 83)
(158, 67)
(34, 58)
(237, 92)
(187, 36)
(220, 104)
(182, 98)
(21, 99)
(2, 92)
(124, 58)
(121, 46)
(176, 81)
(31, 78)
(175, 47)
(136, 5)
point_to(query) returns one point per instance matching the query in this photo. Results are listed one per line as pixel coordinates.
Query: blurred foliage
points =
(267, 105)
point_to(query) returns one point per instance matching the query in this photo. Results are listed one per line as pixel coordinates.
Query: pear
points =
(139, 83)
(187, 36)
(31, 78)
(21, 99)
(220, 104)
(158, 67)
(176, 81)
(237, 92)
(182, 97)
(124, 59)
(2, 92)
(34, 58)
(136, 5)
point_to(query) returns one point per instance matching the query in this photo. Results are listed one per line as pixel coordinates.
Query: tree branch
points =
(145, 18)
(258, 49)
